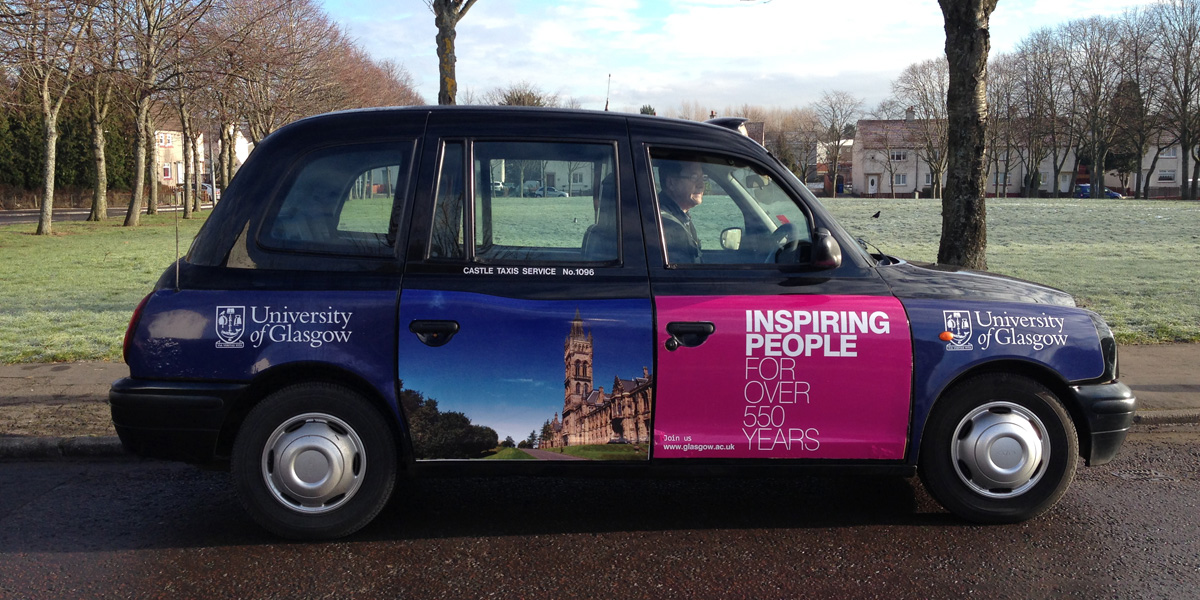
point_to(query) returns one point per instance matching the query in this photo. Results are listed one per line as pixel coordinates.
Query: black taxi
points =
(382, 292)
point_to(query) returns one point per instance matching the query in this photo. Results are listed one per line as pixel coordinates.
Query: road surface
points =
(132, 528)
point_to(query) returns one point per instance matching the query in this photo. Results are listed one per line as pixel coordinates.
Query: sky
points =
(714, 53)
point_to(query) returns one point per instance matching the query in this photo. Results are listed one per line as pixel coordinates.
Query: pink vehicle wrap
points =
(792, 377)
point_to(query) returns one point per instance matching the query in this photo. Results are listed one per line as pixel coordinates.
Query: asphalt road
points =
(128, 528)
(15, 217)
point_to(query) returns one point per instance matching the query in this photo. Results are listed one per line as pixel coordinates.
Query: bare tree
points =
(446, 15)
(1001, 144)
(522, 94)
(287, 66)
(1141, 124)
(804, 133)
(1048, 98)
(922, 87)
(964, 212)
(836, 111)
(44, 39)
(1092, 51)
(1179, 48)
(790, 134)
(157, 27)
(104, 38)
(692, 110)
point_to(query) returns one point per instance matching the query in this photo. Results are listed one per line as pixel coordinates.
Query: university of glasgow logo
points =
(231, 324)
(958, 322)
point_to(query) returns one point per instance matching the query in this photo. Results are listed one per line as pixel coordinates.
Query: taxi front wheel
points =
(314, 461)
(998, 448)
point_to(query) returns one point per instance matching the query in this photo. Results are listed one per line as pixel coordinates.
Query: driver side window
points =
(718, 210)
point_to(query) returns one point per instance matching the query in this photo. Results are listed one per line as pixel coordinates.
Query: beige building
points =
(594, 416)
(169, 145)
(889, 159)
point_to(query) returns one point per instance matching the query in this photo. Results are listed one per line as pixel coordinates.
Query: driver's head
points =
(682, 183)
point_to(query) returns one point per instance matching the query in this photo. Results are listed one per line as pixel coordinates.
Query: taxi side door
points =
(525, 318)
(763, 352)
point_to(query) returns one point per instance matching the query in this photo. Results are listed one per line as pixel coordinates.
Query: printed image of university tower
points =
(593, 416)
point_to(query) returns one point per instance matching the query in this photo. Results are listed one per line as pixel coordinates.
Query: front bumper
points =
(1109, 409)
(171, 419)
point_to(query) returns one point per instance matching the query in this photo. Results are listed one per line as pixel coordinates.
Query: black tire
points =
(982, 456)
(342, 451)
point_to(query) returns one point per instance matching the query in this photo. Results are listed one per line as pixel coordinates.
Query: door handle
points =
(433, 333)
(688, 333)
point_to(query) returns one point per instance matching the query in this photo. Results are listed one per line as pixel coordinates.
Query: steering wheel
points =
(780, 238)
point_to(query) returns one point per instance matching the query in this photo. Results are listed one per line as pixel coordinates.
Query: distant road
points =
(14, 217)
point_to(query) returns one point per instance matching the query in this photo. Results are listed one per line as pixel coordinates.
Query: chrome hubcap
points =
(1000, 450)
(313, 463)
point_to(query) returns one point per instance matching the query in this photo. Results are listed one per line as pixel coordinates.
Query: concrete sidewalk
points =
(61, 409)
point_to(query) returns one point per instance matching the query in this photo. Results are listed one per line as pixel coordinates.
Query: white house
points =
(889, 158)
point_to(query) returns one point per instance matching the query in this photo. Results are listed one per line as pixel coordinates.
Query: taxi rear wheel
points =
(998, 448)
(314, 461)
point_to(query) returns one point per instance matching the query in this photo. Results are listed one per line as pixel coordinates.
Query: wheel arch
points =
(285, 375)
(1031, 370)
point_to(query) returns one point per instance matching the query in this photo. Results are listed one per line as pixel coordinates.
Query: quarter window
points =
(342, 201)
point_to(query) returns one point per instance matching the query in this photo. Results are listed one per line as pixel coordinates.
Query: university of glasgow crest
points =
(231, 324)
(958, 322)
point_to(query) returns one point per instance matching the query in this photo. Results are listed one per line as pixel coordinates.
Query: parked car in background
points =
(550, 192)
(321, 344)
(1084, 190)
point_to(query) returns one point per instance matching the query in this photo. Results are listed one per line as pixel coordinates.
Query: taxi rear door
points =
(525, 318)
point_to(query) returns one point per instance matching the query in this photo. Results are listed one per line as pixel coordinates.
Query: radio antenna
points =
(608, 92)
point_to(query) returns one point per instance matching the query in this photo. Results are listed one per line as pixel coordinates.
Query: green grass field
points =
(509, 454)
(605, 452)
(69, 296)
(1136, 262)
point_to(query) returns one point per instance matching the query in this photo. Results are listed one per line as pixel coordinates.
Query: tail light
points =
(133, 323)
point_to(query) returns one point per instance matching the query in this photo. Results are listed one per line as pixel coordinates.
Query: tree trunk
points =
(139, 165)
(155, 176)
(1195, 177)
(964, 211)
(448, 84)
(1185, 153)
(228, 153)
(197, 175)
(46, 218)
(189, 188)
(1150, 174)
(100, 188)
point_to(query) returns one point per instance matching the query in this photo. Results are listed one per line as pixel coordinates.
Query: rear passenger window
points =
(342, 201)
(529, 202)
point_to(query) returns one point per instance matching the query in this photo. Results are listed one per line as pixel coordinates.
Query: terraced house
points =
(901, 158)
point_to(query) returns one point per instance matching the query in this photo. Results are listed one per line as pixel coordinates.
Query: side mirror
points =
(826, 252)
(731, 239)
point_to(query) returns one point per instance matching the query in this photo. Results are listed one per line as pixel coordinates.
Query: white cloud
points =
(664, 52)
